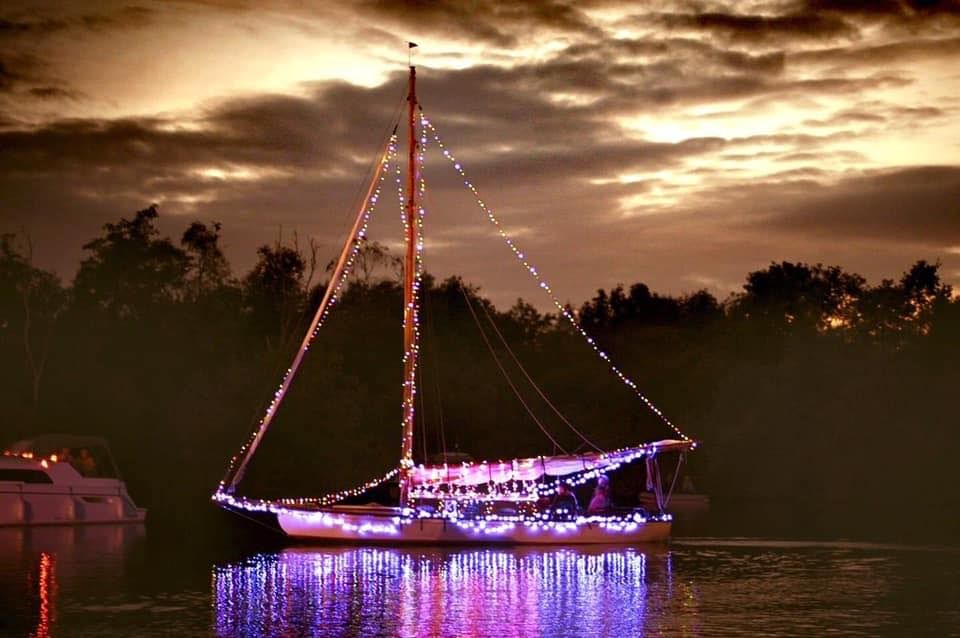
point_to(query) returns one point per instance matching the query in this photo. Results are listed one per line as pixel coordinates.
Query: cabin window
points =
(25, 476)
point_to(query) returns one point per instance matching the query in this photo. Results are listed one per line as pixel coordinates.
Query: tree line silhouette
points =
(815, 395)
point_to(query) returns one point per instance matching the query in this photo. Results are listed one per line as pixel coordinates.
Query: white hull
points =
(385, 525)
(51, 505)
(41, 492)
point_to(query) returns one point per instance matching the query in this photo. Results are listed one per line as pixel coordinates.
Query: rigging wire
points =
(506, 376)
(279, 363)
(239, 461)
(533, 383)
(423, 416)
(564, 311)
(428, 311)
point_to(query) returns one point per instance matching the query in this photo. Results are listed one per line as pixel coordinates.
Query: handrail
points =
(72, 490)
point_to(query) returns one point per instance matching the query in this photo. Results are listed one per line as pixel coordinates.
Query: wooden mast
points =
(410, 301)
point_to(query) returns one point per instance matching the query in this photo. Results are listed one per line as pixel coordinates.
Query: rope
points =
(566, 313)
(423, 417)
(238, 463)
(506, 376)
(673, 483)
(431, 334)
(534, 384)
(257, 521)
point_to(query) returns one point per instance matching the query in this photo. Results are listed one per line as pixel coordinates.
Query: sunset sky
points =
(681, 144)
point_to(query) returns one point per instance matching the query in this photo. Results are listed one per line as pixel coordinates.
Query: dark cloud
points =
(907, 206)
(686, 50)
(876, 113)
(500, 22)
(903, 9)
(903, 51)
(920, 204)
(26, 25)
(758, 29)
(19, 69)
(52, 93)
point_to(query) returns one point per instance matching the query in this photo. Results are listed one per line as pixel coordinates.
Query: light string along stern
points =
(532, 270)
(355, 241)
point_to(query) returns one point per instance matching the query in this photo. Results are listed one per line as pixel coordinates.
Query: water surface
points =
(118, 581)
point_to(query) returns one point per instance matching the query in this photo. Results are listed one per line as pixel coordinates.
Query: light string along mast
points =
(532, 270)
(332, 295)
(412, 215)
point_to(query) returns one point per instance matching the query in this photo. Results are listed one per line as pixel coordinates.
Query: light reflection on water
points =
(108, 581)
(432, 592)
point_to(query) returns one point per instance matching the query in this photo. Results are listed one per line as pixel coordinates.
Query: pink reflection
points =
(47, 586)
(55, 559)
(435, 592)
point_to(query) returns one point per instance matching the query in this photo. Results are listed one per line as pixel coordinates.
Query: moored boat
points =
(58, 479)
(523, 500)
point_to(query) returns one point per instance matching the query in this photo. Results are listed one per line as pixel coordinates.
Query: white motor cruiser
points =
(59, 479)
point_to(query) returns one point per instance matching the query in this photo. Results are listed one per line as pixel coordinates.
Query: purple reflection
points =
(437, 592)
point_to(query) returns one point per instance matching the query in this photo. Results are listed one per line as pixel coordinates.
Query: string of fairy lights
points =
(315, 501)
(557, 522)
(532, 270)
(356, 241)
(411, 313)
(467, 505)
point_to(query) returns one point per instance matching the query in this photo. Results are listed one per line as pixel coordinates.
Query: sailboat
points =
(485, 501)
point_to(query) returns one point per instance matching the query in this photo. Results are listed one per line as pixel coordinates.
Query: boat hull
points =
(387, 526)
(54, 505)
(681, 504)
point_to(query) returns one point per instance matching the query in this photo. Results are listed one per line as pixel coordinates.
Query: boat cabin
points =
(88, 455)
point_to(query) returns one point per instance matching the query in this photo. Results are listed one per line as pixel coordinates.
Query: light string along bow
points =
(530, 268)
(338, 280)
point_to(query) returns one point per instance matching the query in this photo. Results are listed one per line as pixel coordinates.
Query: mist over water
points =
(125, 581)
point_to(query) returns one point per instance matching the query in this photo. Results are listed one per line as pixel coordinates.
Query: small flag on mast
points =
(411, 45)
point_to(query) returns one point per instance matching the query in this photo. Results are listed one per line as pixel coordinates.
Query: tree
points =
(131, 271)
(893, 311)
(274, 291)
(528, 320)
(793, 298)
(372, 257)
(208, 269)
(31, 302)
(700, 306)
(595, 314)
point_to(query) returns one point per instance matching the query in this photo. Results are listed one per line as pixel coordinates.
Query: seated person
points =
(85, 463)
(564, 504)
(600, 502)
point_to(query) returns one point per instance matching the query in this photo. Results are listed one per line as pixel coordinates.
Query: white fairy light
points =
(522, 258)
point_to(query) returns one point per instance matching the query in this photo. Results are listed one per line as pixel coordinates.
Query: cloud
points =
(917, 204)
(876, 55)
(24, 24)
(563, 141)
(499, 22)
(757, 29)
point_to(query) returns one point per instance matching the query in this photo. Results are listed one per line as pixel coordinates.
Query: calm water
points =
(117, 581)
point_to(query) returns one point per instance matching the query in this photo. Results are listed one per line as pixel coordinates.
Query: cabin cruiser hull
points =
(31, 507)
(39, 487)
(386, 525)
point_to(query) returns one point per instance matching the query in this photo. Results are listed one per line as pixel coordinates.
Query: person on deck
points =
(85, 463)
(564, 505)
(600, 502)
